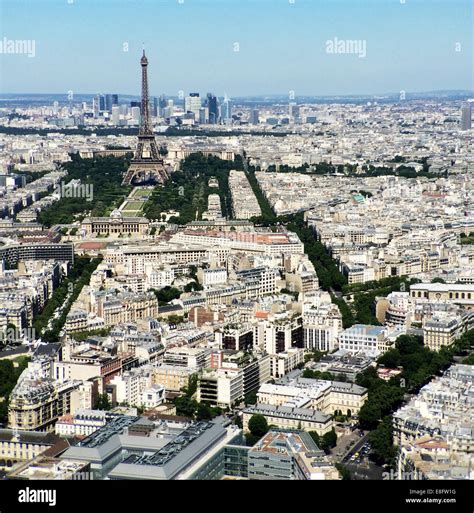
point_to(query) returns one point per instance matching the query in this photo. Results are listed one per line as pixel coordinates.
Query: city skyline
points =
(340, 48)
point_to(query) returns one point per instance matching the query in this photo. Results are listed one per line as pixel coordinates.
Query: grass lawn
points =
(467, 240)
(133, 205)
(141, 193)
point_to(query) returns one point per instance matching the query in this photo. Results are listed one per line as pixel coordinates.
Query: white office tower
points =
(135, 115)
(115, 114)
(192, 103)
(466, 116)
(95, 107)
(168, 111)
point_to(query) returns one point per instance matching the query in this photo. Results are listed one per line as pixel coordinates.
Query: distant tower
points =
(115, 115)
(466, 117)
(226, 110)
(254, 117)
(110, 101)
(146, 163)
(192, 103)
(213, 108)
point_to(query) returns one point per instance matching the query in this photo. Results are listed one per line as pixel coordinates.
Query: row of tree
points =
(312, 374)
(9, 373)
(365, 297)
(325, 168)
(326, 268)
(419, 365)
(69, 289)
(104, 177)
(188, 189)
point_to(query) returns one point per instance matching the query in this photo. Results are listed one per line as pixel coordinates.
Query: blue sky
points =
(410, 46)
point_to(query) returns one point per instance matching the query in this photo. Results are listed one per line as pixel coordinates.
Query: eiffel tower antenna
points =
(146, 163)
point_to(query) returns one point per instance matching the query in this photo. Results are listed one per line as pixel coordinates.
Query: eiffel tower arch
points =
(146, 163)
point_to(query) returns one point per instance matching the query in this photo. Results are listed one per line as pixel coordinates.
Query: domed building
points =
(115, 224)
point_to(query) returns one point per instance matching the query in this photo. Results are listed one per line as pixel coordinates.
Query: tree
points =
(258, 425)
(9, 375)
(316, 438)
(329, 439)
(251, 398)
(193, 286)
(469, 360)
(103, 402)
(204, 412)
(390, 359)
(318, 355)
(369, 414)
(408, 344)
(191, 389)
(186, 406)
(166, 294)
(381, 442)
(343, 471)
(367, 378)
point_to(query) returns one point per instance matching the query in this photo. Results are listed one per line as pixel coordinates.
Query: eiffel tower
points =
(146, 163)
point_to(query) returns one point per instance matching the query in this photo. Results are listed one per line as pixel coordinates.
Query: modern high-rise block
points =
(192, 103)
(213, 108)
(466, 117)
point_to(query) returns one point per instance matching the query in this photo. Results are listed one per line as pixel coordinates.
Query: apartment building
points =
(286, 361)
(322, 326)
(21, 446)
(280, 332)
(235, 337)
(442, 407)
(185, 356)
(325, 396)
(37, 402)
(286, 417)
(173, 378)
(209, 277)
(289, 455)
(367, 338)
(236, 374)
(441, 330)
(130, 385)
(244, 202)
(81, 422)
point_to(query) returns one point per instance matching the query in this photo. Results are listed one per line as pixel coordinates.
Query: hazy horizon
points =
(242, 48)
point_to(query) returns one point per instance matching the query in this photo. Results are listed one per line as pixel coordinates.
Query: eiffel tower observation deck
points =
(146, 164)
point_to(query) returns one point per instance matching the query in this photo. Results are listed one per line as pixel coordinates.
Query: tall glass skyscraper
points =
(213, 108)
